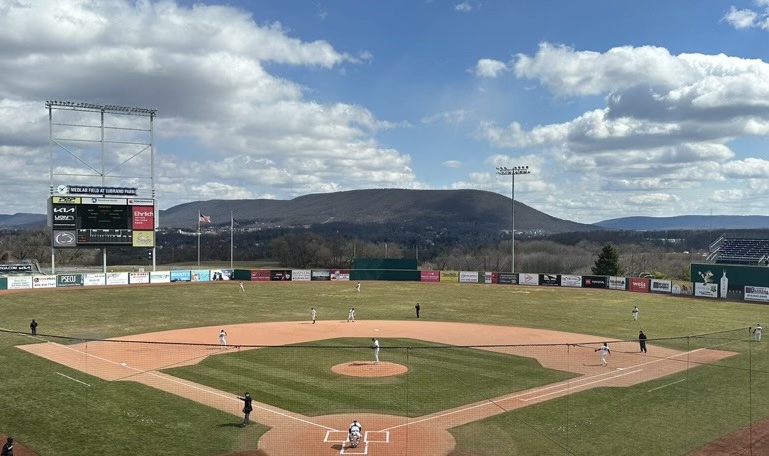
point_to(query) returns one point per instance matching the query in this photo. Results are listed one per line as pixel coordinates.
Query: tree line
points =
(578, 253)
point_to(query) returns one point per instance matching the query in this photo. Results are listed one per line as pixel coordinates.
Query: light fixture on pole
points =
(512, 172)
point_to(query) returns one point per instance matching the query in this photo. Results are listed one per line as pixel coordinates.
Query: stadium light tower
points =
(512, 172)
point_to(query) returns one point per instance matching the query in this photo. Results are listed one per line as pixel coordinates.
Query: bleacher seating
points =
(740, 251)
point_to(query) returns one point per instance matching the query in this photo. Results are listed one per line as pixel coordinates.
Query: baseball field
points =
(485, 370)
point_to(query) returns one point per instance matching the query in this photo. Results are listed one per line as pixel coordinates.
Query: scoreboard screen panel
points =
(103, 217)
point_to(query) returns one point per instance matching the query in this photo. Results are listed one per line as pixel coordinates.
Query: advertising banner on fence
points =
(550, 280)
(117, 278)
(595, 281)
(222, 274)
(94, 280)
(486, 277)
(44, 282)
(760, 294)
(138, 277)
(15, 268)
(160, 277)
(19, 282)
(528, 279)
(661, 286)
(706, 290)
(450, 276)
(682, 288)
(617, 283)
(340, 274)
(301, 275)
(200, 275)
(69, 280)
(3, 283)
(429, 276)
(507, 278)
(181, 275)
(281, 274)
(260, 275)
(468, 276)
(320, 274)
(571, 281)
(638, 285)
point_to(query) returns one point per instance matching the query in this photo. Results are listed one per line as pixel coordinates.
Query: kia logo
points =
(64, 210)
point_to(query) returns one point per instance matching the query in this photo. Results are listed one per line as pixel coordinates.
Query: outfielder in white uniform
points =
(635, 312)
(313, 312)
(757, 332)
(357, 287)
(355, 431)
(604, 352)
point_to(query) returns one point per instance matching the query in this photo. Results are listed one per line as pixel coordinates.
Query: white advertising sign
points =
(139, 277)
(468, 277)
(19, 283)
(571, 281)
(90, 280)
(706, 290)
(528, 279)
(44, 282)
(302, 275)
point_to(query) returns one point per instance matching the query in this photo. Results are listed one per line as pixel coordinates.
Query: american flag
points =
(205, 218)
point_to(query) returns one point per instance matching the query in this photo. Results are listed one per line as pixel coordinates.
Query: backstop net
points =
(684, 395)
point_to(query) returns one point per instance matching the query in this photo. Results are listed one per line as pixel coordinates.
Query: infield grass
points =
(58, 416)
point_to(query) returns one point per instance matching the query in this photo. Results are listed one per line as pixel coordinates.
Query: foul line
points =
(495, 402)
(168, 378)
(73, 379)
(663, 386)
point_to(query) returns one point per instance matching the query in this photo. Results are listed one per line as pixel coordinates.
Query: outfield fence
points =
(423, 398)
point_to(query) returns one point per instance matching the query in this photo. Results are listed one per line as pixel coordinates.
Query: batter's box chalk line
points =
(368, 437)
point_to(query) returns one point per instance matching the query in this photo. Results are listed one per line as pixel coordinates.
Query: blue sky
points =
(657, 108)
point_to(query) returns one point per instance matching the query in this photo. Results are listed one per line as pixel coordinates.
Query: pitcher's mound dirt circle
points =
(369, 369)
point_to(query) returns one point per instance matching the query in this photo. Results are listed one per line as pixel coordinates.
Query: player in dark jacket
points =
(247, 408)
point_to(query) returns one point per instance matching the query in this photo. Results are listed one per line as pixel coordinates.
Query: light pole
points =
(512, 172)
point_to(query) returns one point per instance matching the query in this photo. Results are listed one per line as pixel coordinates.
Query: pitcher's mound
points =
(369, 369)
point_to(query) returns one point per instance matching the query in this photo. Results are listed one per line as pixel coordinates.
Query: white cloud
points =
(653, 198)
(488, 68)
(741, 19)
(456, 116)
(464, 7)
(452, 164)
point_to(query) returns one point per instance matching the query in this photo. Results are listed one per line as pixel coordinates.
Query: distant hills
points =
(470, 210)
(689, 222)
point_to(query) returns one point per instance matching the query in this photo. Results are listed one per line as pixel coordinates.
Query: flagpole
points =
(198, 238)
(232, 227)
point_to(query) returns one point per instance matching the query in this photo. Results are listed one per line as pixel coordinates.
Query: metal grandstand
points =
(727, 250)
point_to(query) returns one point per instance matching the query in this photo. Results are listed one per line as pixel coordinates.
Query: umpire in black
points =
(642, 341)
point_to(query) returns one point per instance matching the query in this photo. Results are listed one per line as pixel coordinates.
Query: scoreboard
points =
(79, 221)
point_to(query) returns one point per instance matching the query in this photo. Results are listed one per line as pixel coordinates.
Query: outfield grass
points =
(57, 416)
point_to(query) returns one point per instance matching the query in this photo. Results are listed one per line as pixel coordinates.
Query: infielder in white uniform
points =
(313, 312)
(223, 338)
(351, 315)
(375, 346)
(604, 352)
(757, 332)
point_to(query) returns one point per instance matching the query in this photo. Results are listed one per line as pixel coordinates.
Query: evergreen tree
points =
(607, 263)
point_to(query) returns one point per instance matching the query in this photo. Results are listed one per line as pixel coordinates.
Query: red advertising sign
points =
(639, 285)
(143, 217)
(430, 276)
(262, 275)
